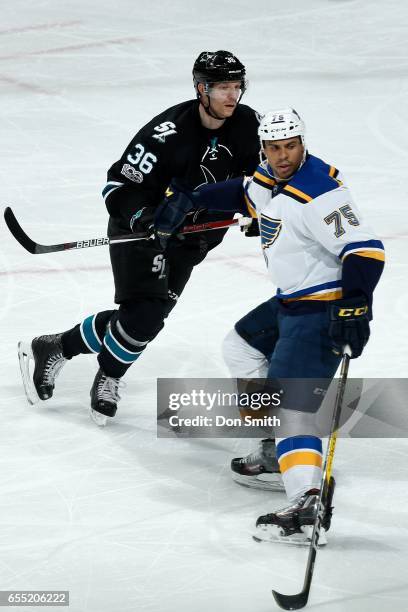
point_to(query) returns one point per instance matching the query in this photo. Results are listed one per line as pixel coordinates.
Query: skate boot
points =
(46, 353)
(294, 524)
(104, 395)
(260, 469)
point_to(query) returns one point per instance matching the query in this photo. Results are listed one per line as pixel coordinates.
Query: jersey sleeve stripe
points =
(365, 245)
(380, 255)
(333, 172)
(110, 187)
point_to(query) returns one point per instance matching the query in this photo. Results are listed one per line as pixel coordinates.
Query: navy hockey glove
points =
(143, 220)
(349, 324)
(171, 213)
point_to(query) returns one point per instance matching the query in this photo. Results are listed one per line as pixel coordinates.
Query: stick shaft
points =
(36, 248)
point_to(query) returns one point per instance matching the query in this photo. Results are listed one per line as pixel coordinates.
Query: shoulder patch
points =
(167, 128)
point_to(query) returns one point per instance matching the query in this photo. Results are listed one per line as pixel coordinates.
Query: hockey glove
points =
(250, 229)
(171, 213)
(349, 324)
(143, 220)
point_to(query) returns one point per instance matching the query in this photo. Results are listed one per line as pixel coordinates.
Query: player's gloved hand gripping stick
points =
(172, 212)
(349, 324)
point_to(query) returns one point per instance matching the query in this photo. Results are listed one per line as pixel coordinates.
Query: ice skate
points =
(260, 469)
(294, 524)
(104, 398)
(46, 354)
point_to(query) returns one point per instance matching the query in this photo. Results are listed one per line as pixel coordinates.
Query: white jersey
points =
(307, 228)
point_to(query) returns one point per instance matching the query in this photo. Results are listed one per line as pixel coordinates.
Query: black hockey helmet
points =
(218, 66)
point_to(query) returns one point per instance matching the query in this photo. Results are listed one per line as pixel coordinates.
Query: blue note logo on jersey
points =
(270, 230)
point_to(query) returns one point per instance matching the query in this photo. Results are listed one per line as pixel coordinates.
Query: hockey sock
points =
(86, 337)
(119, 350)
(300, 463)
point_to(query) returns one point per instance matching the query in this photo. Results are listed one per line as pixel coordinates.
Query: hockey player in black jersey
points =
(208, 139)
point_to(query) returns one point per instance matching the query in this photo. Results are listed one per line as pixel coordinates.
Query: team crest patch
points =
(131, 173)
(270, 230)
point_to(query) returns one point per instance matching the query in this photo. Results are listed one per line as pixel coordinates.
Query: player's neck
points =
(211, 123)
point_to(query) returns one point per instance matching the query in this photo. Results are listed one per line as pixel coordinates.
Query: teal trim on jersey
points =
(109, 187)
(123, 355)
(313, 179)
(89, 334)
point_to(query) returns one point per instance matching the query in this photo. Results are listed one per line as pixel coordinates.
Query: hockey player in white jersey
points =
(325, 261)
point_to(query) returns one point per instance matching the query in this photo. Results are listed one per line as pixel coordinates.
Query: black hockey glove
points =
(349, 324)
(171, 213)
(143, 220)
(252, 229)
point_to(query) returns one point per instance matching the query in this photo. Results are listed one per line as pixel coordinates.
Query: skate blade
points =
(25, 356)
(274, 534)
(98, 418)
(264, 482)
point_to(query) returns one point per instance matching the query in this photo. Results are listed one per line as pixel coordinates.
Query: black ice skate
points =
(47, 355)
(260, 469)
(294, 524)
(104, 398)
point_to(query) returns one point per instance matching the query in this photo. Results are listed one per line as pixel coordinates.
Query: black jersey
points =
(175, 145)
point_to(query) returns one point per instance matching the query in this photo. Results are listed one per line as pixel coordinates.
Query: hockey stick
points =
(36, 249)
(299, 600)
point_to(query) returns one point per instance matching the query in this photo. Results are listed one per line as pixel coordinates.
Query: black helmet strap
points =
(208, 108)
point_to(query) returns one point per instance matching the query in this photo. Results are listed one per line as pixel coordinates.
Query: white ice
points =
(120, 519)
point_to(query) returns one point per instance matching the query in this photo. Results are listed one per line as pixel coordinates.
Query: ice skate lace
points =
(108, 389)
(302, 502)
(53, 367)
(256, 456)
(253, 457)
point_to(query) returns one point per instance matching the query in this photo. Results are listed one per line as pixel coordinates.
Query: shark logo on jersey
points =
(270, 230)
(212, 150)
(216, 157)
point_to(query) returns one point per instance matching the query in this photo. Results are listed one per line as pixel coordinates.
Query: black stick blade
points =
(18, 232)
(291, 602)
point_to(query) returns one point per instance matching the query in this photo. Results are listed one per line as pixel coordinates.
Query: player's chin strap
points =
(209, 110)
(265, 164)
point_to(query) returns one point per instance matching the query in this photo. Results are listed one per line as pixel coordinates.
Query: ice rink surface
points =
(123, 520)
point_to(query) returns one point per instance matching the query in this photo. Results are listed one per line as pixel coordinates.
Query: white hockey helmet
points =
(281, 124)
